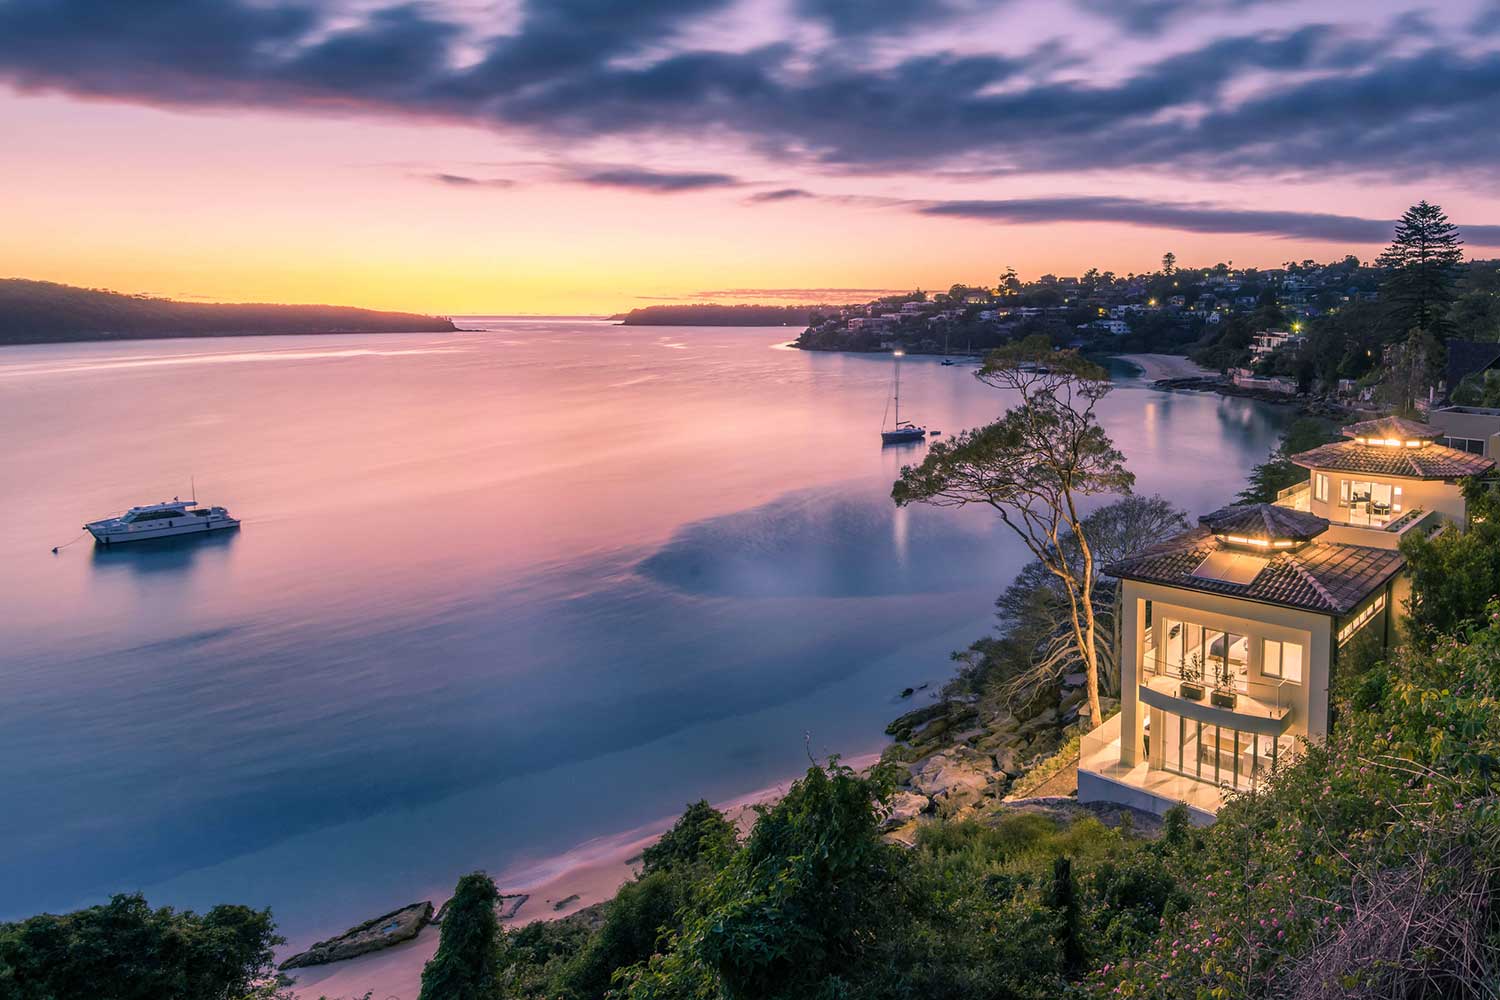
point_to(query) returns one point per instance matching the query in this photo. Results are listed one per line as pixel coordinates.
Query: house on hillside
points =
(1475, 429)
(1230, 633)
(1386, 472)
(1267, 341)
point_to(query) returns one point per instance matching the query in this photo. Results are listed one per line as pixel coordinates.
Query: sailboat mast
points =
(899, 352)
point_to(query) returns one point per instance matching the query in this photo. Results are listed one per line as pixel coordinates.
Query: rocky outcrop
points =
(902, 727)
(372, 935)
(905, 806)
(953, 779)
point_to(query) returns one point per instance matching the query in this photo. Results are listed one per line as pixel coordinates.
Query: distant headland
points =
(41, 312)
(715, 314)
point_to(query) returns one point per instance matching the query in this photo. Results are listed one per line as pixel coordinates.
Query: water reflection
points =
(164, 556)
(824, 544)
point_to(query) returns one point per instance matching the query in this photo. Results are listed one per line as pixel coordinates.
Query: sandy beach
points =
(558, 887)
(1160, 366)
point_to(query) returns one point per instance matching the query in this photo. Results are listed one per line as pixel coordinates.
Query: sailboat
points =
(903, 431)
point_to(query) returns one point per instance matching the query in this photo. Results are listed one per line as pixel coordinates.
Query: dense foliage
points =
(125, 950)
(39, 312)
(1454, 575)
(464, 967)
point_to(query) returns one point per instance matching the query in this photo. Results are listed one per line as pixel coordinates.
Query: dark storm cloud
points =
(1487, 20)
(859, 17)
(463, 181)
(1189, 217)
(641, 179)
(1150, 17)
(1310, 99)
(781, 194)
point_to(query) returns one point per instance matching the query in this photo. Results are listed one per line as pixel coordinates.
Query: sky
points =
(589, 156)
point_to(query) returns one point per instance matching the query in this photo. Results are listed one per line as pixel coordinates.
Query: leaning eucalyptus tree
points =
(1034, 466)
(1034, 632)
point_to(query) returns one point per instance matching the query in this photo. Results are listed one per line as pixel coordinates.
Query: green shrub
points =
(466, 966)
(125, 950)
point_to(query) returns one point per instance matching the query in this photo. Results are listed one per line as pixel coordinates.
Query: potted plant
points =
(1192, 678)
(1224, 695)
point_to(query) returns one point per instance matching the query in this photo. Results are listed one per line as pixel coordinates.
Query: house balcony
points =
(1102, 778)
(1358, 525)
(1295, 497)
(1250, 714)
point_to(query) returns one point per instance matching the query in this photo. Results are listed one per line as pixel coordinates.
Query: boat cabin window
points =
(154, 515)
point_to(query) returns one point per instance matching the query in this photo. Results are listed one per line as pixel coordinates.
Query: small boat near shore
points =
(904, 431)
(167, 519)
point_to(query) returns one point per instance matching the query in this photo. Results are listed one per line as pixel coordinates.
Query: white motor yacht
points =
(160, 520)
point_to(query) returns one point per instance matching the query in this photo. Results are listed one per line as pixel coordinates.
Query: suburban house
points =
(1475, 429)
(1230, 634)
(1267, 341)
(1389, 474)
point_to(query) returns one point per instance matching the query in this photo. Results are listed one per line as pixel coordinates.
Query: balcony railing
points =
(1295, 497)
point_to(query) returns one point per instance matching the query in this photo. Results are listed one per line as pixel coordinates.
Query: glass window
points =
(1320, 487)
(1226, 660)
(1282, 660)
(1472, 445)
(155, 515)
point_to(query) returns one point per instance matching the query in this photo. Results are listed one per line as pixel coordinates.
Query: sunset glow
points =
(461, 157)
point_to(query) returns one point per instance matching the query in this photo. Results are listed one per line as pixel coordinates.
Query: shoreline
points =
(559, 886)
(1155, 367)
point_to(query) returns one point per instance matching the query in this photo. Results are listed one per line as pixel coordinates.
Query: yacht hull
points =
(199, 526)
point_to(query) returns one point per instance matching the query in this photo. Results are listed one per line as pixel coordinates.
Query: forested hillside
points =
(713, 314)
(40, 312)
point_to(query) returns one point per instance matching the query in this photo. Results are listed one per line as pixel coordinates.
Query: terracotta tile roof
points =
(1264, 521)
(1433, 461)
(1398, 428)
(1320, 576)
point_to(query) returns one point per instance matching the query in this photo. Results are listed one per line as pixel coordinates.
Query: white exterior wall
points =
(1308, 701)
(1474, 422)
(1434, 495)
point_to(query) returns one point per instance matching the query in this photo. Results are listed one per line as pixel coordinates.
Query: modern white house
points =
(1475, 429)
(1388, 474)
(1267, 341)
(1230, 634)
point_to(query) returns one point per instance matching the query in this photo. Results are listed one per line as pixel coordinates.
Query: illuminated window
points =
(1474, 446)
(1320, 488)
(1282, 660)
(1360, 620)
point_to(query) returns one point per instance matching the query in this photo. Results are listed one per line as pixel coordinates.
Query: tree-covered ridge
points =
(40, 312)
(715, 314)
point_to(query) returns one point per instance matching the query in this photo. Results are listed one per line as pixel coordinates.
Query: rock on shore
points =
(372, 935)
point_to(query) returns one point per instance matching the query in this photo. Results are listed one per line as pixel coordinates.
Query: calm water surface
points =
(496, 593)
